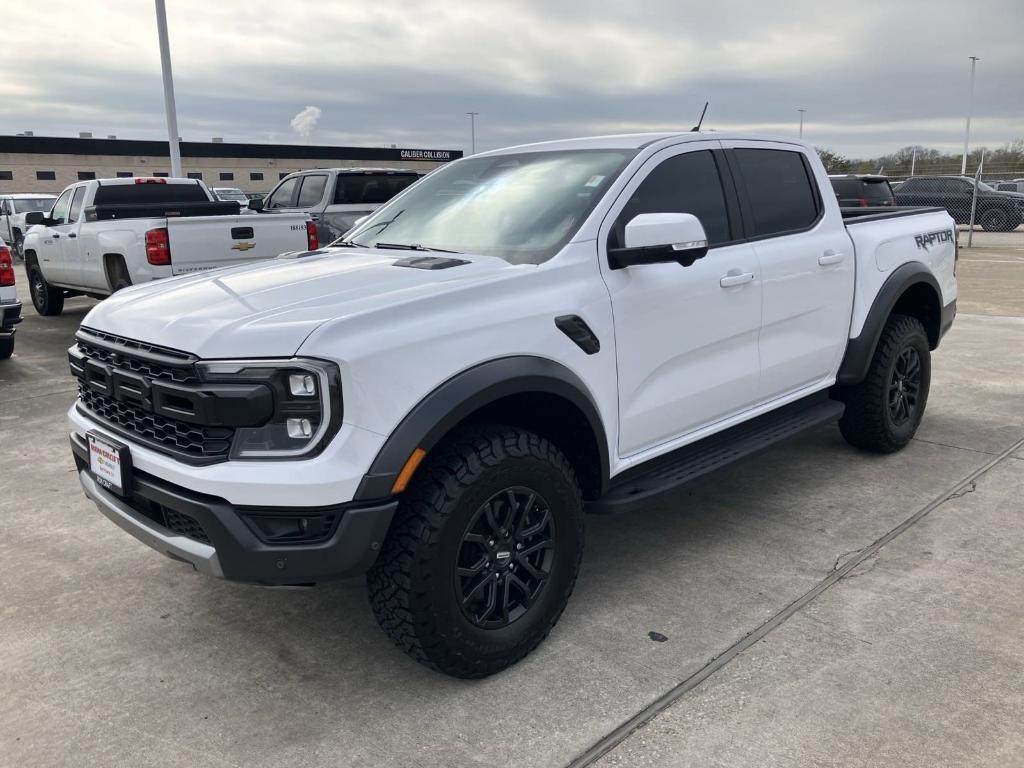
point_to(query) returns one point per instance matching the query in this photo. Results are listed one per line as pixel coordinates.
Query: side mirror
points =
(657, 238)
(35, 217)
(256, 204)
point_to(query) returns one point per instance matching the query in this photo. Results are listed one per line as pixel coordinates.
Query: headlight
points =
(307, 405)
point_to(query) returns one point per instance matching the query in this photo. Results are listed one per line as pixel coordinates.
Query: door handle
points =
(72, 235)
(56, 235)
(830, 257)
(735, 277)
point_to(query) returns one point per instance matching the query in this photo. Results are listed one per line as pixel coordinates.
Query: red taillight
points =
(863, 202)
(311, 242)
(6, 267)
(158, 247)
(150, 180)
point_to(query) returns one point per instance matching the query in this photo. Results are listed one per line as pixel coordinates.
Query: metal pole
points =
(913, 161)
(974, 198)
(801, 111)
(165, 67)
(970, 108)
(472, 131)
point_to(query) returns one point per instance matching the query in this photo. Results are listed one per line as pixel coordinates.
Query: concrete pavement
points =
(113, 655)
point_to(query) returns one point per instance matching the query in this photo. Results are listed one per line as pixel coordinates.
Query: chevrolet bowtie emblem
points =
(243, 246)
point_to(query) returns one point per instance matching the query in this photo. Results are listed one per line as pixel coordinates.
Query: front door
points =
(685, 337)
(49, 250)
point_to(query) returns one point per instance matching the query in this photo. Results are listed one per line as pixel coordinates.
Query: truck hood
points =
(268, 308)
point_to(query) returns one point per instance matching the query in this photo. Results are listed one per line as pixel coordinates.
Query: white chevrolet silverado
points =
(106, 234)
(521, 337)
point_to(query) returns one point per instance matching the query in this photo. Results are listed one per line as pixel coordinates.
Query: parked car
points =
(522, 336)
(995, 211)
(107, 234)
(226, 194)
(861, 190)
(12, 217)
(336, 198)
(10, 307)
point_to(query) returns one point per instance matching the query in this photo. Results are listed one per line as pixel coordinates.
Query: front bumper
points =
(10, 316)
(220, 543)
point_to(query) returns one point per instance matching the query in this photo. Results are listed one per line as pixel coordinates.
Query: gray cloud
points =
(872, 77)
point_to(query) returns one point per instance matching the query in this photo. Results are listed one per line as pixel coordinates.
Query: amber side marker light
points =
(407, 471)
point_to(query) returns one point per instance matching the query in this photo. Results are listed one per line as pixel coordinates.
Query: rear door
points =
(807, 265)
(206, 242)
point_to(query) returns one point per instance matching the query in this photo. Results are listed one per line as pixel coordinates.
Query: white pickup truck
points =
(106, 234)
(522, 336)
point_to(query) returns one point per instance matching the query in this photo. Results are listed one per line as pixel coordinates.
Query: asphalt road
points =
(821, 607)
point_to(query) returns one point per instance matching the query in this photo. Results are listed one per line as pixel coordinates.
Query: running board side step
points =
(639, 485)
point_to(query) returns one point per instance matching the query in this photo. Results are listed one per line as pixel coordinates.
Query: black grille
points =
(171, 519)
(192, 440)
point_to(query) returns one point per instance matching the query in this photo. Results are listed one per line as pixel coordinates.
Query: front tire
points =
(883, 411)
(995, 220)
(47, 300)
(483, 553)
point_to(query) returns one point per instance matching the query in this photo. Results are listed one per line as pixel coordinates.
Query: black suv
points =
(996, 211)
(862, 190)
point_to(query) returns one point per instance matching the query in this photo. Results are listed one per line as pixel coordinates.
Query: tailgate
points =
(207, 242)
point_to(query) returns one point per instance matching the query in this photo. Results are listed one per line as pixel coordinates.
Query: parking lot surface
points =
(113, 655)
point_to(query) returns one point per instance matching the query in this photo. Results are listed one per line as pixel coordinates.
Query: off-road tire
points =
(868, 421)
(47, 300)
(6, 347)
(18, 246)
(413, 584)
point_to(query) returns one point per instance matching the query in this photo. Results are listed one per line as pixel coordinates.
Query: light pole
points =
(801, 111)
(165, 67)
(970, 107)
(472, 131)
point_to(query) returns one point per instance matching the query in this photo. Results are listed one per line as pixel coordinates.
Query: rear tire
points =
(883, 411)
(482, 554)
(47, 300)
(6, 347)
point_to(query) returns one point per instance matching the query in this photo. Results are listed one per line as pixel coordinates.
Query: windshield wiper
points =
(412, 247)
(346, 244)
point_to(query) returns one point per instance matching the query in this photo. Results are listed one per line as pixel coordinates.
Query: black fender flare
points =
(467, 392)
(861, 349)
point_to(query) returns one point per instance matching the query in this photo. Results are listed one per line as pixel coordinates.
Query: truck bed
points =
(879, 213)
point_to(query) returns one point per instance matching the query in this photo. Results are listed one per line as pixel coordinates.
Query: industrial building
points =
(48, 164)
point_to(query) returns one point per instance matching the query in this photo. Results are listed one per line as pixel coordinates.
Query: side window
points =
(284, 195)
(782, 198)
(76, 205)
(687, 183)
(60, 209)
(312, 190)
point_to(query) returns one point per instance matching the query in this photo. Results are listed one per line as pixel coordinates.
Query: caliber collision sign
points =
(425, 154)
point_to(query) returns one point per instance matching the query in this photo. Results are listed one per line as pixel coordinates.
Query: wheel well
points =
(110, 264)
(555, 418)
(921, 301)
(30, 259)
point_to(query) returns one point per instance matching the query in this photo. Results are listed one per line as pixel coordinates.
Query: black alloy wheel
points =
(904, 386)
(505, 557)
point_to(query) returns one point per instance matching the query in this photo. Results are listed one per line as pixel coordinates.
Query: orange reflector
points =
(406, 474)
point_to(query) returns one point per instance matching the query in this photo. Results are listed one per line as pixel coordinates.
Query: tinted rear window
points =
(846, 187)
(779, 190)
(131, 194)
(877, 192)
(371, 189)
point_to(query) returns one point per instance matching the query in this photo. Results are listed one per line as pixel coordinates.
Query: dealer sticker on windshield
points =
(109, 463)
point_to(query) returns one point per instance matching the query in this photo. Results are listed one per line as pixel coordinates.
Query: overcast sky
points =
(873, 76)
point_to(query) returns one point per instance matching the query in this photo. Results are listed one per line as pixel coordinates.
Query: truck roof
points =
(358, 171)
(639, 141)
(26, 195)
(145, 180)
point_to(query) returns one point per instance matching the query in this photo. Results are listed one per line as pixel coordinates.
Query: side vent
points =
(576, 329)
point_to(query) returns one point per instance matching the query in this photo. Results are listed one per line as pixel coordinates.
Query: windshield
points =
(520, 207)
(232, 194)
(26, 204)
(985, 187)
